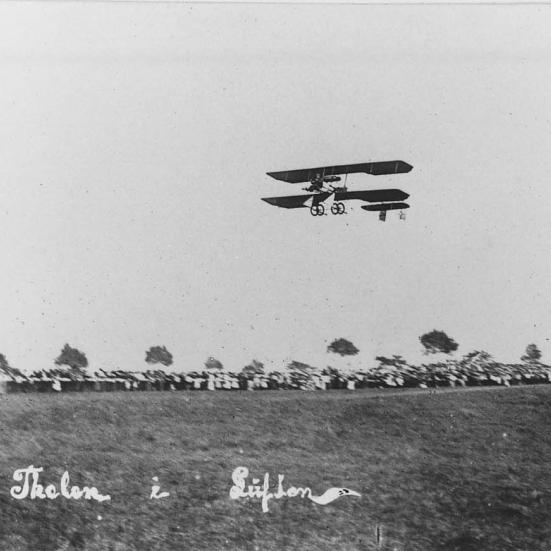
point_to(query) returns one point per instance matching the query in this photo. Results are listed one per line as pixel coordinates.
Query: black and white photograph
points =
(275, 276)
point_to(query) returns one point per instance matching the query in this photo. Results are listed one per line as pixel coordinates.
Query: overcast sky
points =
(134, 142)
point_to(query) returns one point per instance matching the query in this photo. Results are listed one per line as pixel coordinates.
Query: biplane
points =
(325, 188)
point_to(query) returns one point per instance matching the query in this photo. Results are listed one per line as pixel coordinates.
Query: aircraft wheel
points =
(341, 208)
(315, 210)
(321, 210)
(335, 208)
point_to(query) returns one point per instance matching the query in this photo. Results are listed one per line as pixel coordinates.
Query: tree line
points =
(433, 342)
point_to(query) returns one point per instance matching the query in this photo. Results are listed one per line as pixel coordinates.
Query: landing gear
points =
(382, 215)
(317, 210)
(402, 215)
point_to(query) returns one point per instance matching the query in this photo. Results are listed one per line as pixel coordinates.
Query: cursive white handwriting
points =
(255, 490)
(32, 489)
(155, 490)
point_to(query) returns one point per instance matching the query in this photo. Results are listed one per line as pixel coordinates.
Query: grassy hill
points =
(457, 471)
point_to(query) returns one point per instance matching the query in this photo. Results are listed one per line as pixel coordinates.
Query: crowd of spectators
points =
(475, 369)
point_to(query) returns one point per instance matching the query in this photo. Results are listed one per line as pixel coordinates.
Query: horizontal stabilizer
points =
(372, 195)
(386, 206)
(320, 173)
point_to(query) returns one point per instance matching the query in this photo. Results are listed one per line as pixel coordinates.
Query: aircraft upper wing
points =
(308, 174)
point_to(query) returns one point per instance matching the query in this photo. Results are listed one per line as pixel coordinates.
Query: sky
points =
(134, 145)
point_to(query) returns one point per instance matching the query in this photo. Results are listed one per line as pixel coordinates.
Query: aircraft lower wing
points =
(371, 196)
(297, 201)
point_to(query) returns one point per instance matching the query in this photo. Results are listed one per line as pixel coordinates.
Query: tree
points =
(532, 354)
(300, 374)
(438, 341)
(254, 368)
(73, 358)
(4, 365)
(331, 372)
(158, 355)
(213, 363)
(395, 361)
(343, 347)
(299, 366)
(479, 360)
(7, 369)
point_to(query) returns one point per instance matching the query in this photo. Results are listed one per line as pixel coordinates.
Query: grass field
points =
(462, 471)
